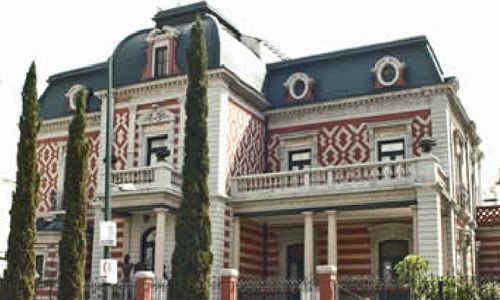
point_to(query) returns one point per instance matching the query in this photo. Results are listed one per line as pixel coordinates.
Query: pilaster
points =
(429, 228)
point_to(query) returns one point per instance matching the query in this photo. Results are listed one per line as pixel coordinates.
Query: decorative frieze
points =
(62, 124)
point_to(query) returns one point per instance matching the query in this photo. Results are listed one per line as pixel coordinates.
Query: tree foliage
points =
(72, 249)
(20, 274)
(413, 271)
(192, 258)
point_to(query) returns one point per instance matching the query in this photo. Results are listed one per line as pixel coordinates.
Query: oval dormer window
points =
(388, 71)
(389, 74)
(71, 96)
(299, 86)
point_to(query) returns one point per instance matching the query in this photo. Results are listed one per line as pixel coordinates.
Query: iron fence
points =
(276, 288)
(367, 287)
(96, 290)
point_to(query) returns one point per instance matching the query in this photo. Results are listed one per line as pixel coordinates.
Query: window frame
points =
(405, 134)
(149, 141)
(290, 154)
(380, 143)
(298, 141)
(156, 49)
(42, 275)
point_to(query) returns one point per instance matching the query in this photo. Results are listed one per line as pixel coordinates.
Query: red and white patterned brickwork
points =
(245, 142)
(47, 153)
(118, 252)
(120, 143)
(48, 164)
(488, 234)
(50, 272)
(93, 163)
(343, 143)
(421, 127)
(347, 141)
(353, 246)
(251, 261)
(252, 250)
(174, 108)
(228, 223)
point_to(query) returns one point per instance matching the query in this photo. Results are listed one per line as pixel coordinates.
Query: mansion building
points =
(321, 160)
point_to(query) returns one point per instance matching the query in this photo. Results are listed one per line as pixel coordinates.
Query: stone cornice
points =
(356, 102)
(62, 124)
(242, 89)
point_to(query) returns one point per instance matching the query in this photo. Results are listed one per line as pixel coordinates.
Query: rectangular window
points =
(157, 150)
(391, 150)
(160, 61)
(39, 265)
(299, 159)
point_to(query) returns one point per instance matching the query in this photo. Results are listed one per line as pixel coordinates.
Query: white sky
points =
(61, 35)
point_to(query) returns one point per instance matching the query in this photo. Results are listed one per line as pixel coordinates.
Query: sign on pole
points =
(107, 233)
(108, 271)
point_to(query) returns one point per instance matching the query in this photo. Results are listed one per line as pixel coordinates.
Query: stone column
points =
(415, 228)
(236, 244)
(229, 277)
(327, 278)
(308, 244)
(332, 237)
(144, 285)
(160, 242)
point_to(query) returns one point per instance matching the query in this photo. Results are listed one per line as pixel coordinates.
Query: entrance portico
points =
(292, 245)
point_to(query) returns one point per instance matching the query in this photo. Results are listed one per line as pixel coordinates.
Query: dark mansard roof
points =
(336, 75)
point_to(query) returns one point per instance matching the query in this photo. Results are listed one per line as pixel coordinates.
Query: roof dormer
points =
(161, 53)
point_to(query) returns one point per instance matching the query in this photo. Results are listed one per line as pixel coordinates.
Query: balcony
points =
(144, 179)
(365, 177)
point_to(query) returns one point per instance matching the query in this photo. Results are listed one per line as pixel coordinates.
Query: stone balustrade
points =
(148, 177)
(344, 178)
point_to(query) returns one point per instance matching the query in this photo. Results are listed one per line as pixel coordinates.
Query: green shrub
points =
(490, 291)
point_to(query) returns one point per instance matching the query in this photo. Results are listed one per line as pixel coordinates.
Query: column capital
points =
(145, 274)
(161, 209)
(326, 269)
(308, 213)
(229, 273)
(331, 212)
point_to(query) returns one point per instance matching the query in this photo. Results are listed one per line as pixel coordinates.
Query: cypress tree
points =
(20, 275)
(192, 258)
(72, 249)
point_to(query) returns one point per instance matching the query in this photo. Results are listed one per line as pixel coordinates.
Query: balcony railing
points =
(345, 178)
(488, 215)
(161, 177)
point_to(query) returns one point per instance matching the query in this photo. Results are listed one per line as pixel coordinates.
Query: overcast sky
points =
(61, 35)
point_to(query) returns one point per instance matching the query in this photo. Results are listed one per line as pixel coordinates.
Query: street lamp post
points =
(108, 154)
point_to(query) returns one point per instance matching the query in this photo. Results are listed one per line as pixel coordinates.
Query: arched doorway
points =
(148, 248)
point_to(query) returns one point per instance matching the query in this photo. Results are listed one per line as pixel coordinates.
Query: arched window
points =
(148, 248)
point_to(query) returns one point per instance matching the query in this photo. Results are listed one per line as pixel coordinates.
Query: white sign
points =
(107, 233)
(108, 271)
